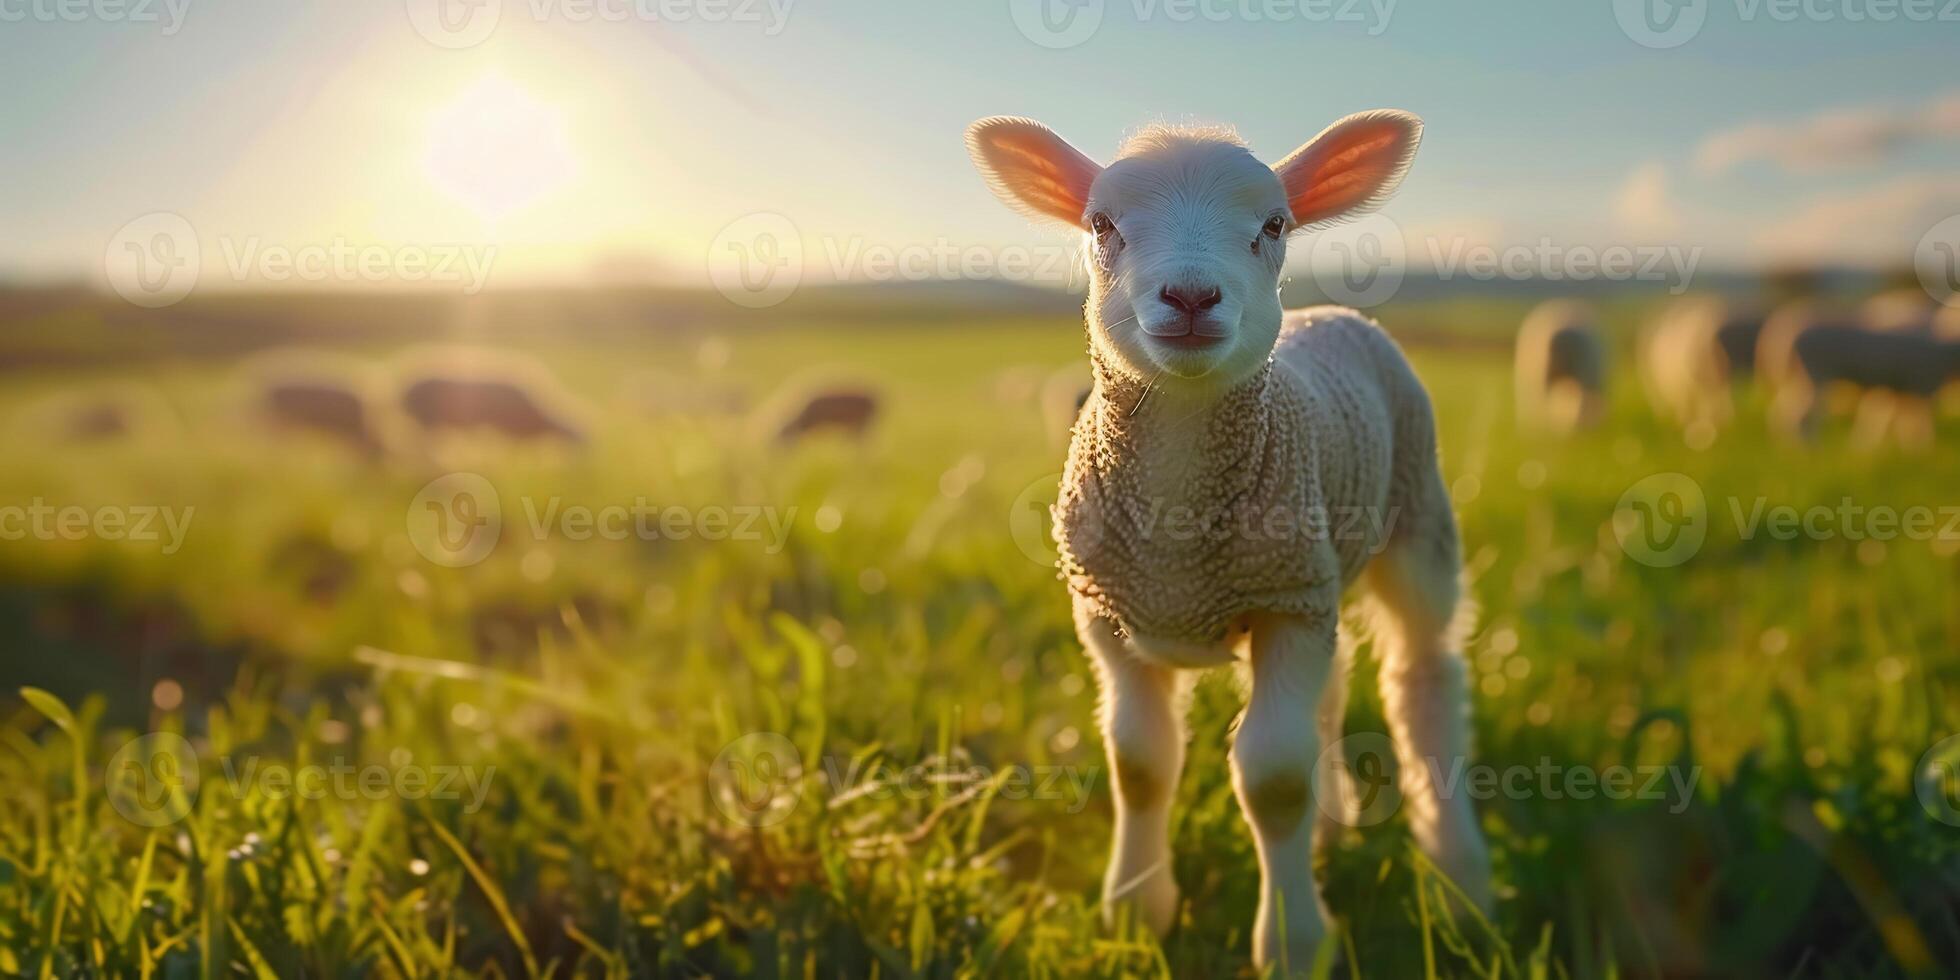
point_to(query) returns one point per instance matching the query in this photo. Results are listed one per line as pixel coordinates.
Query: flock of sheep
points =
(375, 413)
(1897, 352)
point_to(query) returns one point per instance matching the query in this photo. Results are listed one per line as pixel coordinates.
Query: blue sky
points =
(628, 144)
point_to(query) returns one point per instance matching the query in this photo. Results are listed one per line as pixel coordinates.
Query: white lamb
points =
(1234, 469)
(1560, 367)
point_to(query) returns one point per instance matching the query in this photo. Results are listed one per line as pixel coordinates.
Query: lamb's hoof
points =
(1151, 901)
(1293, 951)
(1470, 899)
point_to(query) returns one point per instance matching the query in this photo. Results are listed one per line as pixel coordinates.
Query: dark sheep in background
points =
(321, 406)
(502, 405)
(1807, 349)
(848, 411)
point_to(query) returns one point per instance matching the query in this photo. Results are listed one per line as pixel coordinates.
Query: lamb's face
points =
(1186, 230)
(1185, 241)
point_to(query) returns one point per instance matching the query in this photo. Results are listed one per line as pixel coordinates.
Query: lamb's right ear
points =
(1032, 169)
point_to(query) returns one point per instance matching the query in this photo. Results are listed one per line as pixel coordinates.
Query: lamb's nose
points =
(1190, 300)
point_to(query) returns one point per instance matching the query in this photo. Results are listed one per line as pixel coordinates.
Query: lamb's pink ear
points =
(1032, 169)
(1351, 167)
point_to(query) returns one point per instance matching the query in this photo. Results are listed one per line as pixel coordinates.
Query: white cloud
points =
(1833, 140)
(1877, 224)
(1644, 205)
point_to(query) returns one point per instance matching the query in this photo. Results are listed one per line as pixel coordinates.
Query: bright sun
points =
(496, 149)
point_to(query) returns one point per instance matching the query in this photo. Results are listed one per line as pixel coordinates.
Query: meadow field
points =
(829, 718)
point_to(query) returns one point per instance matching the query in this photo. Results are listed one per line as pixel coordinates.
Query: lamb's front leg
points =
(1143, 734)
(1273, 757)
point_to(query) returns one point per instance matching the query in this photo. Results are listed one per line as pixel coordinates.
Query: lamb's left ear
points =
(1351, 167)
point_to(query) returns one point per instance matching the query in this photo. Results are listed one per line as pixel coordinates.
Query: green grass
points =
(901, 625)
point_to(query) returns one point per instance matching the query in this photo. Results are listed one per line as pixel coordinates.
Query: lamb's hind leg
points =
(1417, 627)
(1143, 735)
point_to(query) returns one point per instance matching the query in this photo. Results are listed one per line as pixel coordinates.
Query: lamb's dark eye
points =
(1108, 241)
(1275, 225)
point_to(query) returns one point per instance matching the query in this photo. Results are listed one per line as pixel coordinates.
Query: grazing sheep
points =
(1807, 350)
(93, 414)
(468, 388)
(1899, 311)
(1694, 354)
(98, 420)
(848, 411)
(1561, 367)
(1231, 474)
(326, 407)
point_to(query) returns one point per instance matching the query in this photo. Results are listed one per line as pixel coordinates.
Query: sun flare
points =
(497, 149)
